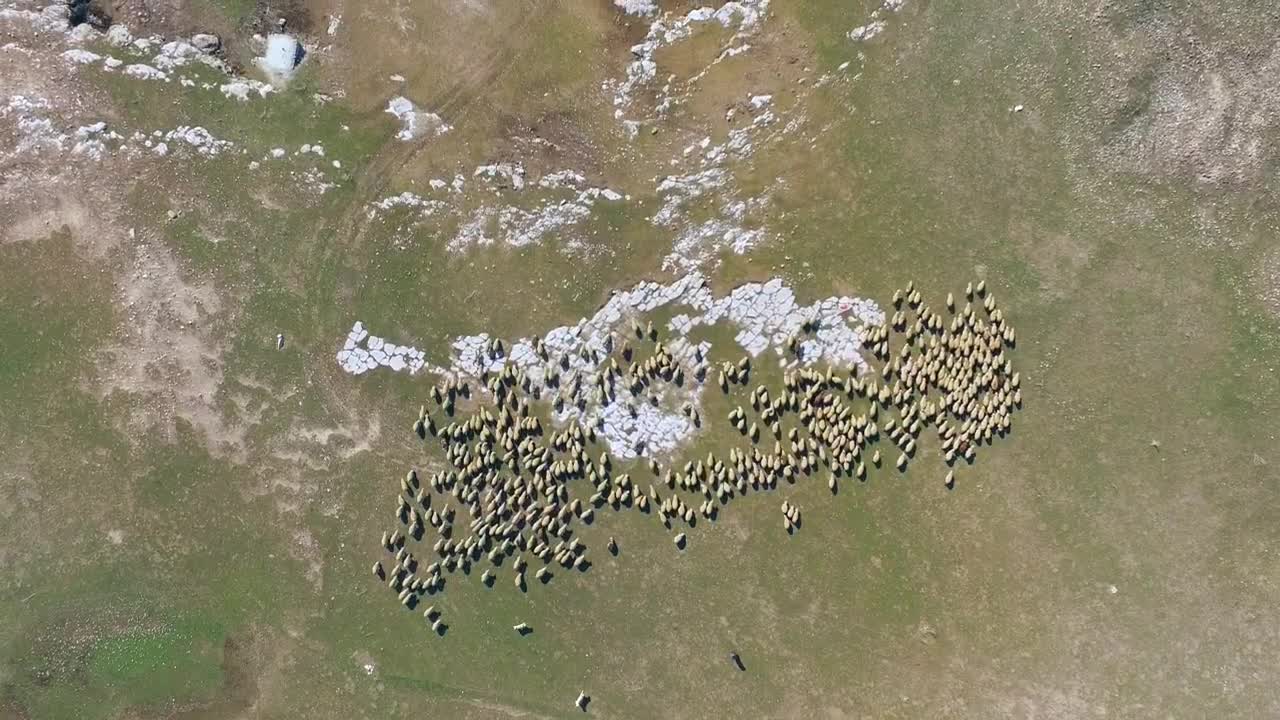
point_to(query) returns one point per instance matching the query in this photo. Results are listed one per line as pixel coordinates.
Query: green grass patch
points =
(237, 11)
(179, 661)
(58, 309)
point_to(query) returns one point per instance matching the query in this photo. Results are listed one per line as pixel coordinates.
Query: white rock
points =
(206, 42)
(415, 123)
(177, 53)
(637, 7)
(80, 57)
(513, 173)
(200, 139)
(144, 72)
(119, 35)
(84, 32)
(241, 89)
(863, 33)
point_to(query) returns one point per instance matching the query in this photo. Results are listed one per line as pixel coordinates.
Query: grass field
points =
(189, 533)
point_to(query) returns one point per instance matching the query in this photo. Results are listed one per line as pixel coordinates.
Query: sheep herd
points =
(516, 487)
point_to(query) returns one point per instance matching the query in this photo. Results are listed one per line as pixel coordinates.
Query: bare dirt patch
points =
(167, 357)
(1206, 118)
(307, 551)
(65, 212)
(1184, 93)
(313, 446)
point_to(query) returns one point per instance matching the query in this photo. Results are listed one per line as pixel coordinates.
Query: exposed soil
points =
(166, 356)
